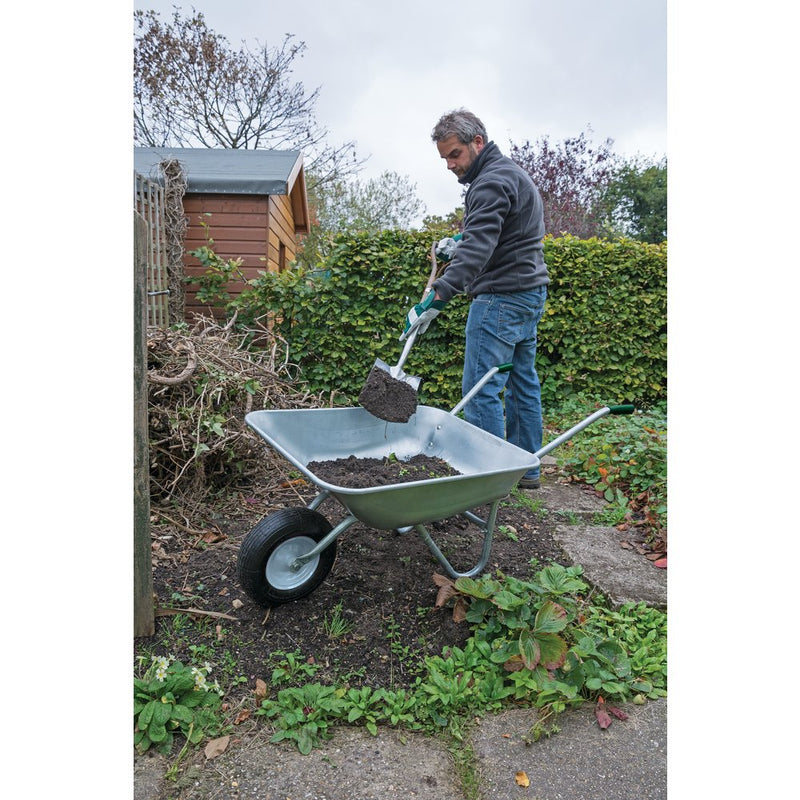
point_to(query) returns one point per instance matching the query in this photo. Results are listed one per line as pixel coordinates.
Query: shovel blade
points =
(389, 393)
(398, 374)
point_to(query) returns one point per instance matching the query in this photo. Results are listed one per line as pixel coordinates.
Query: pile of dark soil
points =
(381, 585)
(363, 473)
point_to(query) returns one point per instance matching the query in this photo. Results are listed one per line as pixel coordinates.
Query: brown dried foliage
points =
(201, 385)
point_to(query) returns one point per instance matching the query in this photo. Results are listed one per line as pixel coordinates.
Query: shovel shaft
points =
(406, 350)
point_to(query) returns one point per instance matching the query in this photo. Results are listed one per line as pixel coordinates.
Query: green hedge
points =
(603, 334)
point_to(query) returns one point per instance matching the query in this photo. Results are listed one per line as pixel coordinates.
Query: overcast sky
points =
(528, 68)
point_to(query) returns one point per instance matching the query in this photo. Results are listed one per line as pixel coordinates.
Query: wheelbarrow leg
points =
(323, 543)
(488, 532)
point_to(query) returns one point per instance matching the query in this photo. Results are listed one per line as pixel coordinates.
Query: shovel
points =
(389, 393)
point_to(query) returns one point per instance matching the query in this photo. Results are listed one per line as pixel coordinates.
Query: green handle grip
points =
(505, 367)
(626, 409)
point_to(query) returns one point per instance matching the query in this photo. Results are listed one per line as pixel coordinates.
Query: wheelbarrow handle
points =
(480, 384)
(626, 409)
(601, 412)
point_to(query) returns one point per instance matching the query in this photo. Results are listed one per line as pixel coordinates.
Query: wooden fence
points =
(143, 607)
(149, 204)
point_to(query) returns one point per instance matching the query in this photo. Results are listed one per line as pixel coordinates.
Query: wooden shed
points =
(256, 200)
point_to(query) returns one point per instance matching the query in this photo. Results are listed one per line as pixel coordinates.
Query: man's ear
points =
(478, 142)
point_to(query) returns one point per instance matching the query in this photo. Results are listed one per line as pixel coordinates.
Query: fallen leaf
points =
(237, 603)
(242, 716)
(661, 563)
(444, 594)
(603, 720)
(261, 689)
(210, 537)
(460, 610)
(522, 779)
(617, 712)
(506, 735)
(216, 747)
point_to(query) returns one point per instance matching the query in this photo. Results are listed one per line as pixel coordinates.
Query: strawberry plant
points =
(553, 648)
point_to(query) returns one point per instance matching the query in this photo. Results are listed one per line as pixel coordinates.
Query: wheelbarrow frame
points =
(287, 555)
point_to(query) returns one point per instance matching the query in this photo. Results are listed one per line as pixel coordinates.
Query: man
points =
(499, 264)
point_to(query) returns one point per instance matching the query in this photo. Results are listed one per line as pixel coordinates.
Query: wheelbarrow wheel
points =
(266, 558)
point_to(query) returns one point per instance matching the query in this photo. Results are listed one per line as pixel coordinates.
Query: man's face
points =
(459, 156)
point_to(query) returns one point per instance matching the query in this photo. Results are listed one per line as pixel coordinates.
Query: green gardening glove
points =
(421, 315)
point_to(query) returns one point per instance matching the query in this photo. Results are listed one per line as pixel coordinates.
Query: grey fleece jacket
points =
(501, 249)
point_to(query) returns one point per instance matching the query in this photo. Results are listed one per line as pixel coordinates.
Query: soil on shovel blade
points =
(371, 621)
(388, 398)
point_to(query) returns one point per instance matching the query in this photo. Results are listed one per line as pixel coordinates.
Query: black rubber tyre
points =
(269, 549)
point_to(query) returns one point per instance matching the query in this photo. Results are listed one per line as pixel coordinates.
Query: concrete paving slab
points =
(621, 575)
(627, 761)
(566, 498)
(353, 764)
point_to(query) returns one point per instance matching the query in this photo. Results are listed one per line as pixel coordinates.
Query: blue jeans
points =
(501, 328)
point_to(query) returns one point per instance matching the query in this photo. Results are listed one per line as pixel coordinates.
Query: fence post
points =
(143, 606)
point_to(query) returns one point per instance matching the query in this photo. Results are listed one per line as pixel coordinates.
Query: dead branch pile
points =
(201, 384)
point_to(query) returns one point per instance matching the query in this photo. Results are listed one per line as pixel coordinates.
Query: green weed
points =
(335, 625)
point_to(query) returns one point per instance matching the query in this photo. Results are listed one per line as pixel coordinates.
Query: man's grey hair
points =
(462, 124)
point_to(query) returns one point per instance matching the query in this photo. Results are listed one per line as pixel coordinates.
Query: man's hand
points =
(421, 315)
(446, 247)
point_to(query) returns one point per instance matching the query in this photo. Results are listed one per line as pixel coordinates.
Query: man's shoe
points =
(528, 483)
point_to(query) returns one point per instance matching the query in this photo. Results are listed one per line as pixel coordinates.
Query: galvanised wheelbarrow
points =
(291, 551)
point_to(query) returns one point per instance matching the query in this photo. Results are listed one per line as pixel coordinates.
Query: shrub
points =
(603, 334)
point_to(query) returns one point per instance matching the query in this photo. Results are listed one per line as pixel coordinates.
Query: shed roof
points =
(225, 171)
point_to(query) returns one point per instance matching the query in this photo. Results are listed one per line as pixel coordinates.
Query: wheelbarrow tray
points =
(490, 467)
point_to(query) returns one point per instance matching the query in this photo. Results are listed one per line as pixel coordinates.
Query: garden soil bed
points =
(381, 586)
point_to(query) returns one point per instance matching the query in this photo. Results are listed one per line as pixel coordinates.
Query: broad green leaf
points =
(507, 601)
(551, 618)
(529, 649)
(182, 714)
(147, 714)
(553, 650)
(304, 742)
(162, 713)
(472, 587)
(157, 731)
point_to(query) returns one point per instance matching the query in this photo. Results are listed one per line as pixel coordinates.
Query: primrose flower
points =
(199, 679)
(161, 663)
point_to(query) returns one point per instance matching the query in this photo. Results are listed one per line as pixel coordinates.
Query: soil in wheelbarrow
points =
(364, 473)
(371, 622)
